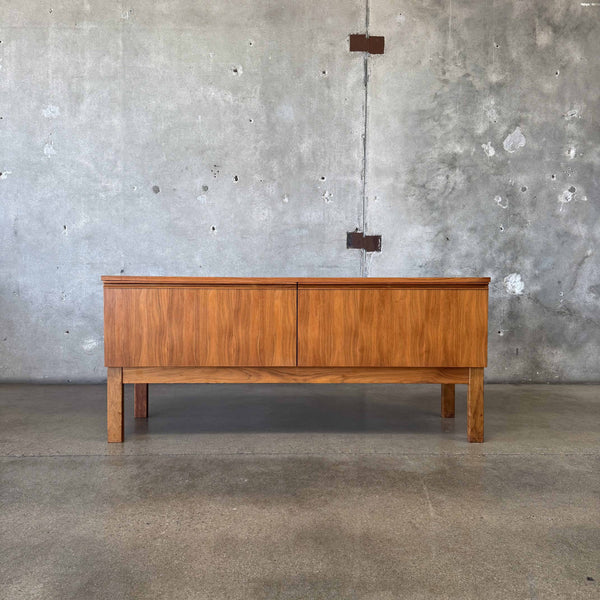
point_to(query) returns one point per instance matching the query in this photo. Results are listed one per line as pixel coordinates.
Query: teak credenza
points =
(284, 330)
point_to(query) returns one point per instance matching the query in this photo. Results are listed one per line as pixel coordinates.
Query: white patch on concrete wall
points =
(501, 202)
(572, 114)
(568, 196)
(5, 174)
(327, 196)
(51, 111)
(514, 140)
(572, 152)
(285, 199)
(514, 284)
(400, 19)
(488, 149)
(90, 344)
(285, 112)
(590, 4)
(49, 149)
(543, 36)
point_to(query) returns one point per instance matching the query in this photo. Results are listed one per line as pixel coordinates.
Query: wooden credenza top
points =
(399, 282)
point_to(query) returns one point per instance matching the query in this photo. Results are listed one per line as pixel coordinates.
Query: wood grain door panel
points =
(383, 327)
(203, 326)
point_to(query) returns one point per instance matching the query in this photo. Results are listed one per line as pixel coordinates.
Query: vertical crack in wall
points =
(363, 252)
(122, 130)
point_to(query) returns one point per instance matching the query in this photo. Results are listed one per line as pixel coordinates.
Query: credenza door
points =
(366, 326)
(158, 326)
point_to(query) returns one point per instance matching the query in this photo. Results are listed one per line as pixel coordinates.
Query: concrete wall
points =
(226, 138)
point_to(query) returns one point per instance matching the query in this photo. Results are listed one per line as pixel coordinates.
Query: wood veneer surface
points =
(293, 375)
(357, 327)
(213, 326)
(340, 322)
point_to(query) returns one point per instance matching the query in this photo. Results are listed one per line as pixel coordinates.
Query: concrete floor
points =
(300, 492)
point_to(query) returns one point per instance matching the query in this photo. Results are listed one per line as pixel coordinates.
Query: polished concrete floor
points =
(300, 492)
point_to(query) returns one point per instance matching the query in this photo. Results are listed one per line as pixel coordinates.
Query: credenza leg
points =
(447, 400)
(114, 404)
(475, 405)
(140, 404)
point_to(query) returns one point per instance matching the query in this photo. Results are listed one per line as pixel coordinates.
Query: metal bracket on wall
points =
(373, 44)
(368, 243)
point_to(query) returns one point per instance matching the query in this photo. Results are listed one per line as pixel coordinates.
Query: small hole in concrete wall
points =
(501, 227)
(552, 176)
(557, 73)
(205, 188)
(251, 120)
(213, 228)
(497, 45)
(155, 189)
(324, 73)
(122, 271)
(524, 188)
(235, 178)
(250, 43)
(572, 189)
(322, 178)
(447, 239)
(67, 331)
(50, 11)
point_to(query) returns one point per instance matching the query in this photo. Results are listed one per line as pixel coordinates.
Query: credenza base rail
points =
(142, 376)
